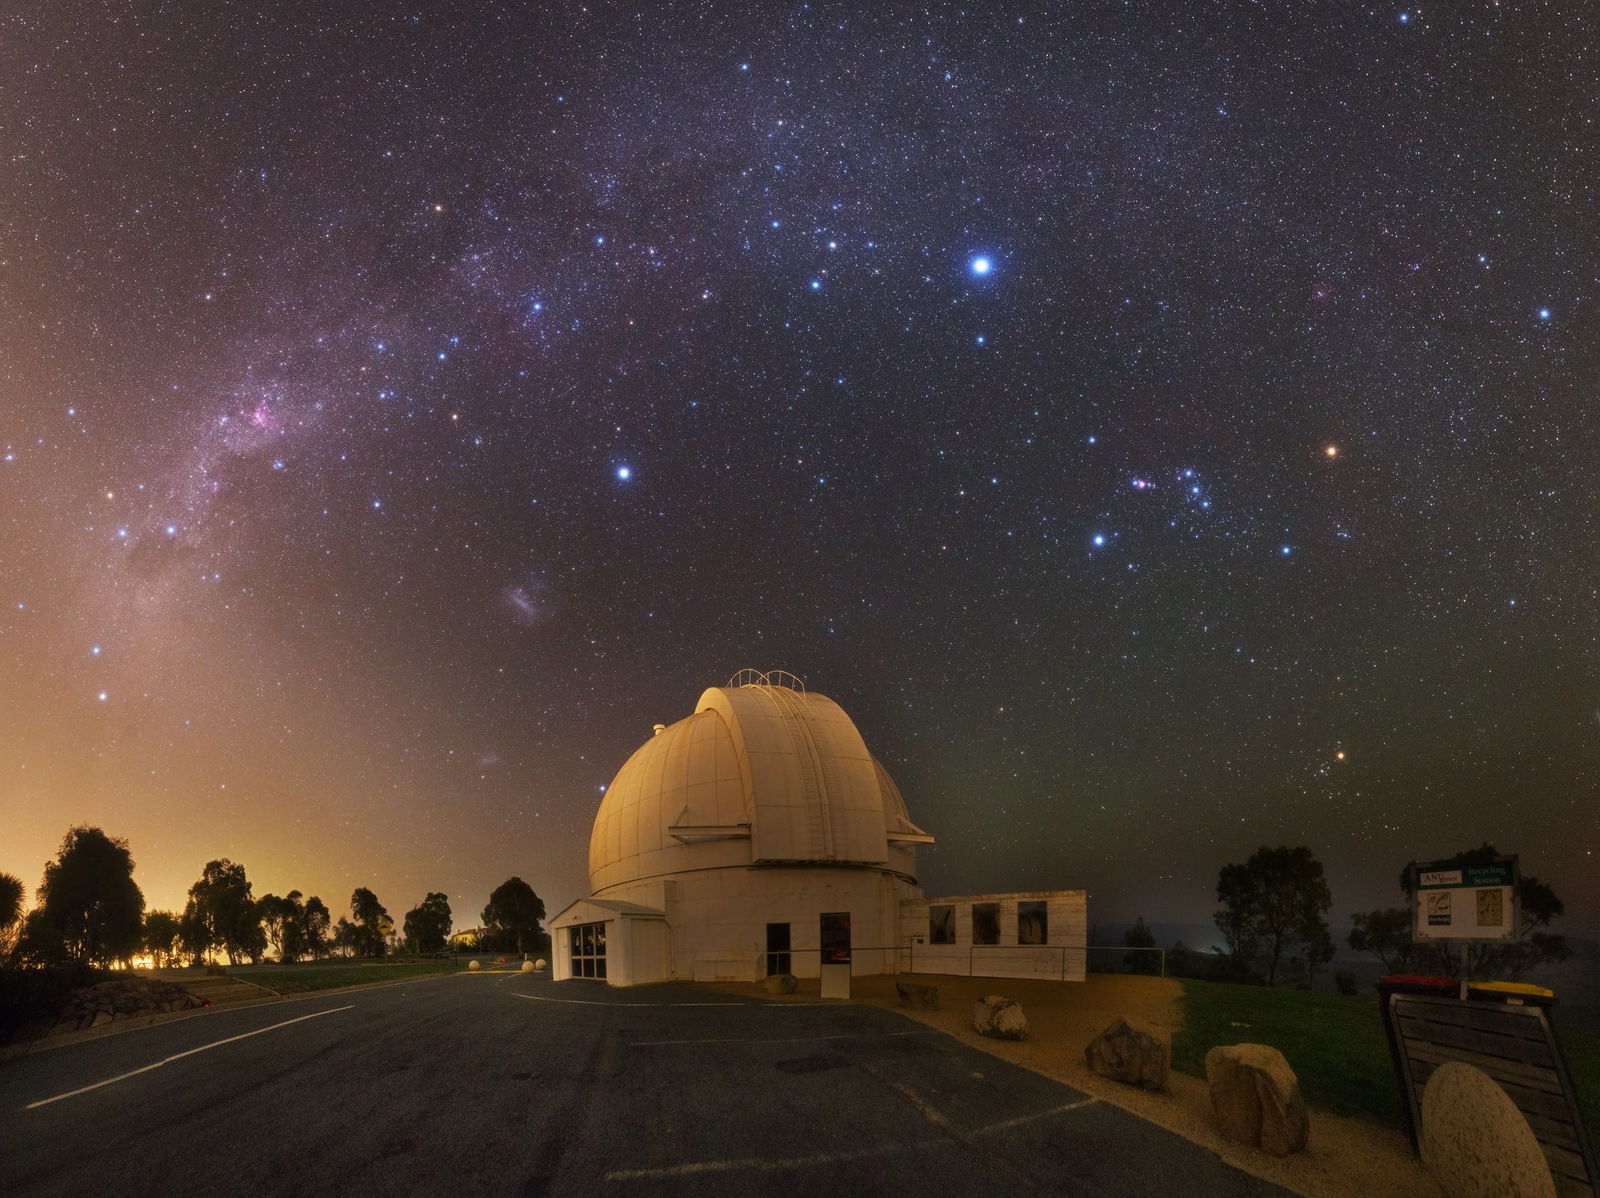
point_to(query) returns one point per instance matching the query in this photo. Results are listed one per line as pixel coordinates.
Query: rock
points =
(101, 1018)
(1124, 1053)
(1000, 1018)
(474, 966)
(541, 963)
(527, 967)
(917, 997)
(1256, 1098)
(1474, 1140)
(780, 983)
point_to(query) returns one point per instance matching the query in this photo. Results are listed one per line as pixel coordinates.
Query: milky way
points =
(1165, 429)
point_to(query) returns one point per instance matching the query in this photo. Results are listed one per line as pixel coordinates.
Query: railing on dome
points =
(767, 678)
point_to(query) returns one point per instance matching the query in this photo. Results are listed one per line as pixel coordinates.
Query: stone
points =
(780, 983)
(1256, 1098)
(527, 967)
(101, 1018)
(1000, 1018)
(917, 997)
(541, 963)
(1130, 1055)
(474, 966)
(1474, 1140)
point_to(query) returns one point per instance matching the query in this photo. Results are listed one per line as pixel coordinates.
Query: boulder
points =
(1256, 1098)
(1474, 1140)
(999, 1017)
(1127, 1054)
(474, 966)
(527, 967)
(917, 997)
(541, 963)
(780, 983)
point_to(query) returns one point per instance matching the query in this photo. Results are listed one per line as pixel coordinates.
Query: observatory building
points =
(760, 835)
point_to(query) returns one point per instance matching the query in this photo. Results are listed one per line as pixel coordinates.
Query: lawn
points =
(1336, 1045)
(299, 980)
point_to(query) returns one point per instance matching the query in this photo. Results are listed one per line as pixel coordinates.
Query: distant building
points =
(758, 836)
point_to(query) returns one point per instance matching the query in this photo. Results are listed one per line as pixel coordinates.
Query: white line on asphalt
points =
(589, 1002)
(783, 1039)
(178, 1057)
(1006, 1124)
(762, 1164)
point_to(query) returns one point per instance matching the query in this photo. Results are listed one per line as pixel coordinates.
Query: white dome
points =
(759, 774)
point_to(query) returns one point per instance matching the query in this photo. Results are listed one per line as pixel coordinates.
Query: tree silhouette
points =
(315, 929)
(428, 925)
(1273, 904)
(222, 913)
(11, 894)
(162, 934)
(90, 909)
(515, 910)
(370, 922)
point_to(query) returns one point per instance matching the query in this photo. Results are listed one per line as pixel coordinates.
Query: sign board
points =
(1465, 902)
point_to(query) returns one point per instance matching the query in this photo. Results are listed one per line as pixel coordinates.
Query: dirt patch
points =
(1347, 1158)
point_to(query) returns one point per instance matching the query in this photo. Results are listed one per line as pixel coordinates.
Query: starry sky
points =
(1165, 429)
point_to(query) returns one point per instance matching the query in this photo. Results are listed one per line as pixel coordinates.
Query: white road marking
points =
(589, 1002)
(178, 1057)
(762, 1164)
(784, 1039)
(758, 1164)
(1005, 1124)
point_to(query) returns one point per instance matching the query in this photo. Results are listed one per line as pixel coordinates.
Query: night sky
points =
(1165, 429)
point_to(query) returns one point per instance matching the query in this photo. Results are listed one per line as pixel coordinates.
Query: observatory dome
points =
(763, 773)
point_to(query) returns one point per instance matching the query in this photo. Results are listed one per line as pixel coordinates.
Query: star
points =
(980, 266)
(624, 473)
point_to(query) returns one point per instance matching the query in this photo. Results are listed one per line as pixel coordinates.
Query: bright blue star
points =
(1099, 539)
(980, 338)
(1405, 17)
(981, 266)
(816, 284)
(1286, 550)
(624, 473)
(1544, 313)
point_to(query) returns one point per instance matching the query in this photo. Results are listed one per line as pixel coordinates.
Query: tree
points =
(1386, 934)
(1141, 937)
(428, 925)
(514, 909)
(370, 918)
(90, 909)
(162, 934)
(11, 894)
(344, 937)
(284, 920)
(1511, 960)
(1272, 905)
(317, 918)
(223, 914)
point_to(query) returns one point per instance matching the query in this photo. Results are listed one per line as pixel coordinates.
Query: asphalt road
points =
(510, 1084)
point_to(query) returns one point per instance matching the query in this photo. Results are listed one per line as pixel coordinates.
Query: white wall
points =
(717, 919)
(1063, 957)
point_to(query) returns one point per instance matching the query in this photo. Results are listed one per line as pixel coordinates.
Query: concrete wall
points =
(1063, 957)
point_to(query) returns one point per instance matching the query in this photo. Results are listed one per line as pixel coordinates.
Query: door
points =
(778, 949)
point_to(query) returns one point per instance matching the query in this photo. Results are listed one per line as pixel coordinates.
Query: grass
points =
(1336, 1045)
(332, 977)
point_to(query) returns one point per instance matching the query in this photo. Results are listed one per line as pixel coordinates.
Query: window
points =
(1033, 923)
(941, 925)
(986, 923)
(588, 944)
